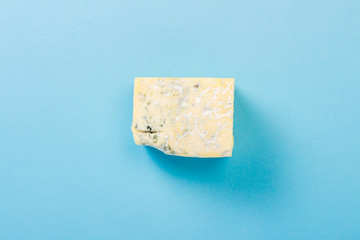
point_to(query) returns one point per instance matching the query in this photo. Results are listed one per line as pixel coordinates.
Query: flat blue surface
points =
(69, 168)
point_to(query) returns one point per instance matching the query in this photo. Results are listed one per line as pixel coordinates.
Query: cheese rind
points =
(190, 117)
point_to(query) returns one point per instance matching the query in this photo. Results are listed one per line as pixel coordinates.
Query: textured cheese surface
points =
(190, 117)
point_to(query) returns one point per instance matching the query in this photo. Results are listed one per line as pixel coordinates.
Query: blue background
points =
(69, 168)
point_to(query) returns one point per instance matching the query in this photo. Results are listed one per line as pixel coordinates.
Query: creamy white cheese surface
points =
(190, 117)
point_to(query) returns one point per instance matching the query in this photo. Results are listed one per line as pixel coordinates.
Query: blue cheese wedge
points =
(190, 117)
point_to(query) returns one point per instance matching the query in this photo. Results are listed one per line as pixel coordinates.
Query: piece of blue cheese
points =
(190, 117)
